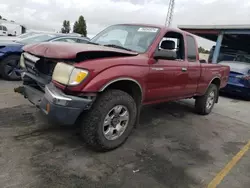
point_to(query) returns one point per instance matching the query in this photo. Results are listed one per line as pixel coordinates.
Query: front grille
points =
(30, 63)
(39, 65)
(39, 71)
(30, 66)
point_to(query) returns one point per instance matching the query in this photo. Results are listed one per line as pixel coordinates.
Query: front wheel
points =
(110, 121)
(9, 68)
(204, 104)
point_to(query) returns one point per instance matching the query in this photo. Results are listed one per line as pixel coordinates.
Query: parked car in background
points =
(226, 54)
(3, 30)
(10, 51)
(239, 78)
(103, 84)
(32, 33)
(19, 37)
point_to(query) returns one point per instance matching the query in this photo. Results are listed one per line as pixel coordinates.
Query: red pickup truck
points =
(103, 84)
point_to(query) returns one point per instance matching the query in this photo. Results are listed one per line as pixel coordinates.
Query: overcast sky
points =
(49, 14)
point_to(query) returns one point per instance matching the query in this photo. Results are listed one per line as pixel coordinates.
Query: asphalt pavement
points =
(172, 147)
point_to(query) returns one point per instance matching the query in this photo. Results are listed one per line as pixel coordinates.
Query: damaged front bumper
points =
(59, 107)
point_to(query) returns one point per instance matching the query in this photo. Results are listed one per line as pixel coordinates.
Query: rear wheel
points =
(204, 104)
(10, 68)
(110, 120)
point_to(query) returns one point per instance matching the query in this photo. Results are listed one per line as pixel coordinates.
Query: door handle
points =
(183, 69)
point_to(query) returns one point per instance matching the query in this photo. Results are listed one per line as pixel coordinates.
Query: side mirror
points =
(165, 54)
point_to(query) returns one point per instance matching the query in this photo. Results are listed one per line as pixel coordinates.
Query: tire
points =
(9, 67)
(201, 102)
(92, 123)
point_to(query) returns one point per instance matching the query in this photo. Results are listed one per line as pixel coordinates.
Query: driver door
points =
(168, 78)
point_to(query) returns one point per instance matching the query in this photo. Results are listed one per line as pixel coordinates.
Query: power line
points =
(170, 13)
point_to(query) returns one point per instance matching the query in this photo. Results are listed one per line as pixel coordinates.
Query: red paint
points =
(160, 80)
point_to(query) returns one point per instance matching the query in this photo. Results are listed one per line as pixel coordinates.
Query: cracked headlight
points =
(68, 75)
(22, 62)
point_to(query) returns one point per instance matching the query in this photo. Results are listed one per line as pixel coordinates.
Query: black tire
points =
(8, 67)
(92, 122)
(201, 101)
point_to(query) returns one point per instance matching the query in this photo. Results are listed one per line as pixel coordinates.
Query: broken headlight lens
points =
(68, 75)
(22, 62)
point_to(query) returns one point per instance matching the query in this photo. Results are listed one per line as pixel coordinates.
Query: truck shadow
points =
(169, 110)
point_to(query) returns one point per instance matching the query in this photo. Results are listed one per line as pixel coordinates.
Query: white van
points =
(3, 30)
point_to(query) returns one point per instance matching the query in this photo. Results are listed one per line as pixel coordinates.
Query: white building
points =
(14, 29)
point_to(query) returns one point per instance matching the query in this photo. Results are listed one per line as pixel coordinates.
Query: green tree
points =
(75, 27)
(66, 27)
(0, 17)
(201, 50)
(80, 26)
(207, 52)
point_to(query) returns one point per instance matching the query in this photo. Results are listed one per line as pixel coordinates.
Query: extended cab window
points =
(191, 49)
(177, 41)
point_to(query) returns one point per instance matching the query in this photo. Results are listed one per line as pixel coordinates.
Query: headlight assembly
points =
(22, 62)
(68, 75)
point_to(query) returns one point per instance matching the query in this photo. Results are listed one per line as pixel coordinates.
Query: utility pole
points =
(170, 13)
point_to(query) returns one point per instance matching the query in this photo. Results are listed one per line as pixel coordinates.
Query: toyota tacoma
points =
(103, 84)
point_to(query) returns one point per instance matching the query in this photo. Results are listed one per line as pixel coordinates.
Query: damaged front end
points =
(40, 91)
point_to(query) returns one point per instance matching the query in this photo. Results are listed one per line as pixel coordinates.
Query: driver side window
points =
(174, 42)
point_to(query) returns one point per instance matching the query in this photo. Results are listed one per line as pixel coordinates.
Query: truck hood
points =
(63, 50)
(237, 66)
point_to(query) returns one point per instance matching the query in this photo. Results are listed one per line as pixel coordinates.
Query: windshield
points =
(133, 37)
(36, 39)
(243, 58)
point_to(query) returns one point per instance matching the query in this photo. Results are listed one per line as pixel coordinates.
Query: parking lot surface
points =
(172, 147)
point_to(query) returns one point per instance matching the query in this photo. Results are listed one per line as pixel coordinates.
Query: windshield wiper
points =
(117, 46)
